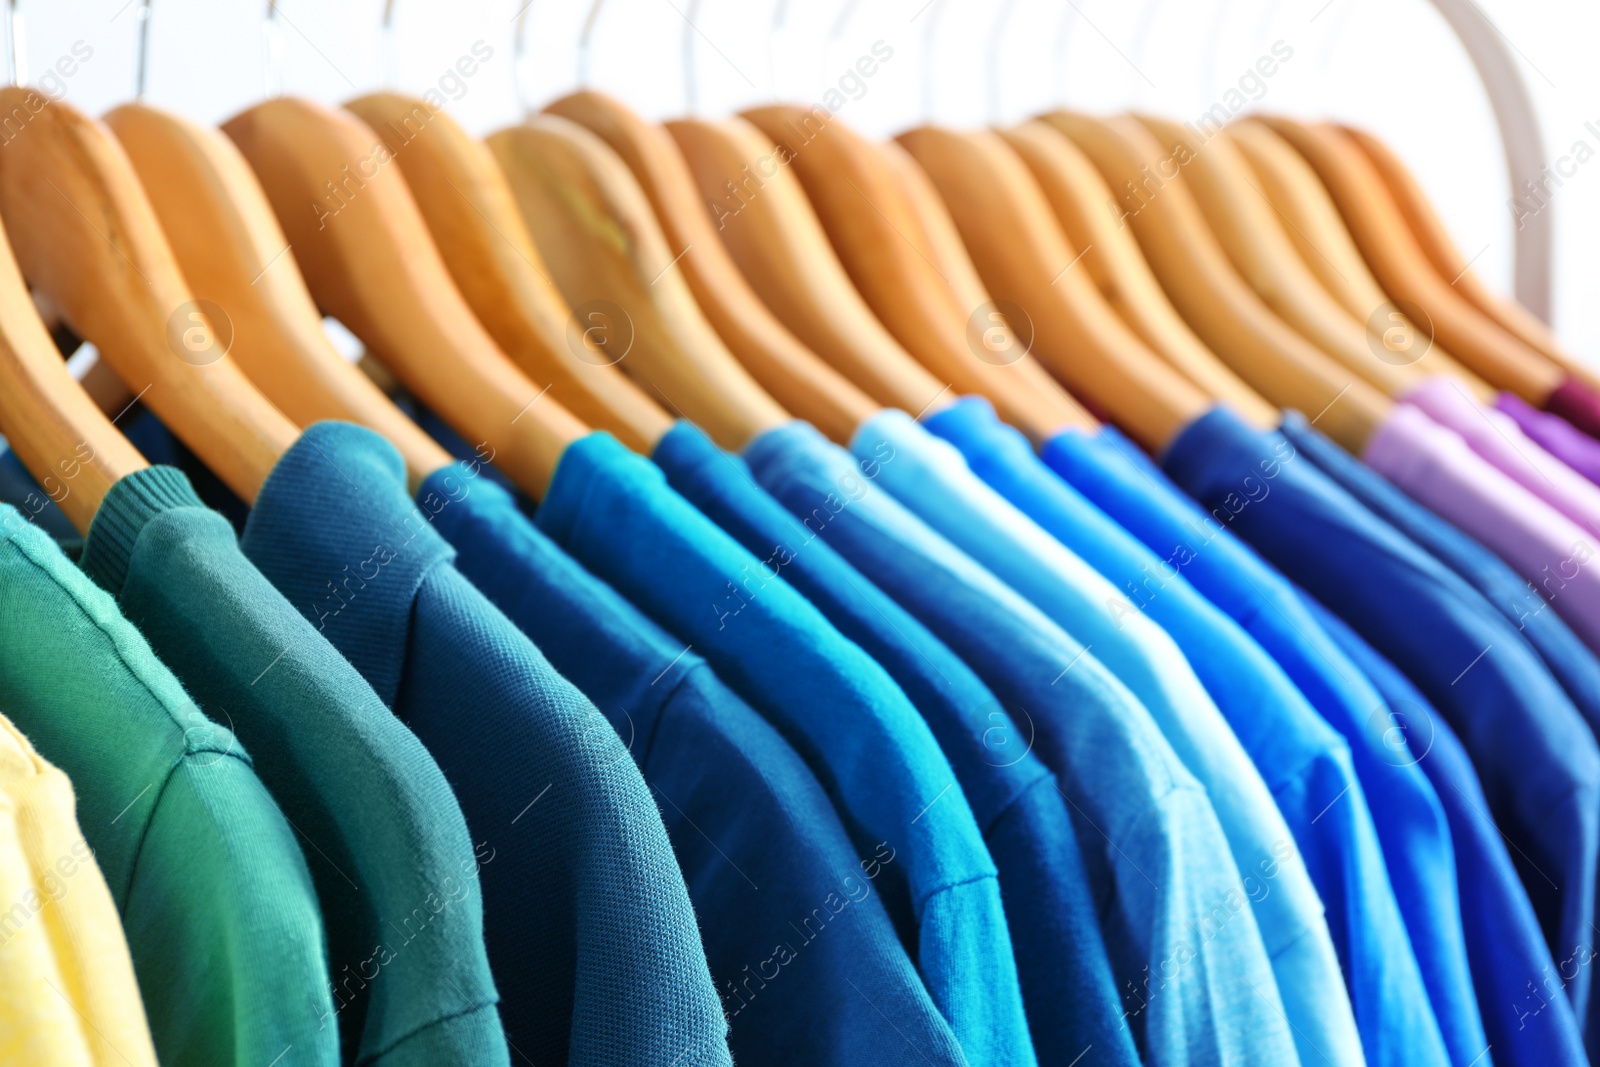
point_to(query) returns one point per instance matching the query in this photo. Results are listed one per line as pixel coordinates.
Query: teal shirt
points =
(207, 875)
(394, 868)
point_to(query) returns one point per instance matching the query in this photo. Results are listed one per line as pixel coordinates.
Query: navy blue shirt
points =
(1527, 1019)
(591, 935)
(759, 844)
(1061, 959)
(1535, 756)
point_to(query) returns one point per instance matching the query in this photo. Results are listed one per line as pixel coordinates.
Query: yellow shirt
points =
(56, 907)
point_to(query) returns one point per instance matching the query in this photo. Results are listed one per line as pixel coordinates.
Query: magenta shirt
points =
(1435, 466)
(1558, 436)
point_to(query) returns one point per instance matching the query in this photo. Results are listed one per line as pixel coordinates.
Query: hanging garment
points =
(1558, 436)
(759, 843)
(216, 901)
(1026, 823)
(1187, 954)
(1578, 404)
(1538, 761)
(1308, 766)
(612, 511)
(590, 932)
(385, 841)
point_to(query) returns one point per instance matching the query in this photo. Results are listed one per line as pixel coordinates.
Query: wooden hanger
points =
(593, 224)
(368, 260)
(1251, 233)
(1023, 257)
(1318, 233)
(877, 236)
(84, 232)
(1448, 262)
(474, 222)
(1278, 363)
(69, 446)
(1083, 205)
(231, 248)
(794, 375)
(774, 236)
(1399, 264)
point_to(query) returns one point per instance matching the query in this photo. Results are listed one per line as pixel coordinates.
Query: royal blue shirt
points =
(1527, 1019)
(1110, 471)
(613, 512)
(1567, 658)
(759, 843)
(1061, 959)
(1305, 763)
(591, 935)
(1152, 841)
(1535, 757)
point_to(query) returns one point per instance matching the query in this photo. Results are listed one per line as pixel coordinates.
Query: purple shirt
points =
(1556, 435)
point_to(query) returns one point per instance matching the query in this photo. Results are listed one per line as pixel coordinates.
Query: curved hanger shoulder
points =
(593, 224)
(1023, 258)
(368, 260)
(1447, 260)
(1322, 239)
(1248, 227)
(84, 233)
(794, 375)
(1085, 208)
(774, 236)
(935, 232)
(65, 441)
(877, 236)
(1277, 362)
(473, 220)
(1398, 263)
(233, 252)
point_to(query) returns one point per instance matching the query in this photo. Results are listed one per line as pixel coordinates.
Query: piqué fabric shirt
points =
(1110, 470)
(758, 841)
(384, 838)
(614, 513)
(207, 876)
(1061, 959)
(1307, 766)
(1527, 1017)
(590, 931)
(1152, 842)
(1536, 758)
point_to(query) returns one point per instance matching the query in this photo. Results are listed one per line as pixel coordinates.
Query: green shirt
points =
(218, 907)
(388, 849)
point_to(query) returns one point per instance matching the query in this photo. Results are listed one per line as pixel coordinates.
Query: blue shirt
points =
(1527, 1019)
(1061, 959)
(613, 512)
(1108, 469)
(1152, 840)
(1536, 758)
(758, 842)
(1566, 657)
(591, 935)
(1305, 763)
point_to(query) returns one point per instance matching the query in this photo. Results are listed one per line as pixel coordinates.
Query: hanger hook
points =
(840, 24)
(16, 54)
(992, 61)
(691, 87)
(780, 11)
(930, 34)
(1143, 32)
(272, 42)
(141, 68)
(1063, 45)
(386, 45)
(586, 41)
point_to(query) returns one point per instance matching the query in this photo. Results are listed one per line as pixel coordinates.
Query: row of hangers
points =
(846, 281)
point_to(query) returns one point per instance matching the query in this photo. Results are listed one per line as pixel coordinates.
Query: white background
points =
(1392, 66)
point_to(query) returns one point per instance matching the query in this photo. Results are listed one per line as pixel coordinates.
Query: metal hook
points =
(585, 40)
(386, 46)
(691, 88)
(141, 68)
(836, 31)
(930, 33)
(1063, 45)
(272, 42)
(779, 11)
(1144, 31)
(992, 60)
(16, 54)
